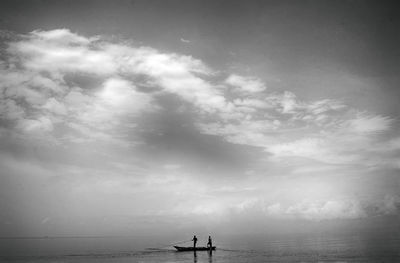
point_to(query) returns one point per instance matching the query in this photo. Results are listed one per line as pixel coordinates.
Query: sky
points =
(143, 117)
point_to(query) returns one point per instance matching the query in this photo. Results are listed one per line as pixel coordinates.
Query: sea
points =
(325, 248)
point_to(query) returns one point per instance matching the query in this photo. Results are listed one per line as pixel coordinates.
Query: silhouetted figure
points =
(194, 241)
(209, 244)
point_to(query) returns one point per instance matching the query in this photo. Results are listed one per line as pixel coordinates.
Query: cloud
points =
(323, 150)
(55, 106)
(320, 210)
(246, 132)
(364, 123)
(324, 130)
(37, 96)
(121, 96)
(59, 85)
(390, 205)
(312, 210)
(132, 78)
(325, 105)
(172, 166)
(61, 36)
(10, 110)
(42, 124)
(175, 74)
(253, 104)
(61, 50)
(246, 84)
(108, 112)
(309, 147)
(185, 40)
(332, 209)
(288, 102)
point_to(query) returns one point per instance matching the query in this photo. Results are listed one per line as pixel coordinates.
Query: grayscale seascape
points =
(199, 131)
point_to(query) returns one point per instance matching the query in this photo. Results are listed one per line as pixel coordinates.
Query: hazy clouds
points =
(94, 130)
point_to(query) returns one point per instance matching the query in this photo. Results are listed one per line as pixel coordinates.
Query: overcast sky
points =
(124, 117)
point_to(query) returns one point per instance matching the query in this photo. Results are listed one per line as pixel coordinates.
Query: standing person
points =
(209, 244)
(194, 241)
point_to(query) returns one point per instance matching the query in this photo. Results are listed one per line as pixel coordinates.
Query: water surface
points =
(351, 248)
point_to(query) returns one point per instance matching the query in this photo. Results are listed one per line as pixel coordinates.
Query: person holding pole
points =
(194, 241)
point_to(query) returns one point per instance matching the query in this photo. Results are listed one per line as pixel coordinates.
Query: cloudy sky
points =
(137, 116)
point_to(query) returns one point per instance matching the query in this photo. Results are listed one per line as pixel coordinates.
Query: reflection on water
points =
(209, 253)
(210, 256)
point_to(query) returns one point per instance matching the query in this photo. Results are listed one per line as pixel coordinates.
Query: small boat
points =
(193, 249)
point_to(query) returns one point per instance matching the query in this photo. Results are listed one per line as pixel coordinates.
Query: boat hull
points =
(193, 249)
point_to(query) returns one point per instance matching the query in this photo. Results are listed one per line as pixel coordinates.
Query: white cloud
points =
(185, 40)
(335, 209)
(288, 102)
(274, 209)
(207, 209)
(247, 132)
(246, 84)
(44, 58)
(325, 105)
(121, 96)
(364, 123)
(324, 130)
(253, 103)
(177, 75)
(331, 209)
(55, 106)
(61, 36)
(313, 210)
(61, 50)
(42, 125)
(316, 149)
(76, 98)
(309, 147)
(101, 115)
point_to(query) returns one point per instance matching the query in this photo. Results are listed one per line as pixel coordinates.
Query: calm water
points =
(130, 249)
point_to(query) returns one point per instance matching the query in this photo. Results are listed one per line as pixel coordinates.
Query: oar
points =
(180, 242)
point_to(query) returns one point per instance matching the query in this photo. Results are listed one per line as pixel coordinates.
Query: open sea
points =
(134, 249)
